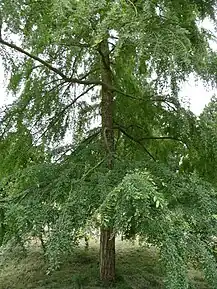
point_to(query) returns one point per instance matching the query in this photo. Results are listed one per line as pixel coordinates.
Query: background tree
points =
(202, 156)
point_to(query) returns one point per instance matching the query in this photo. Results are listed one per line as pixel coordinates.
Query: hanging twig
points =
(53, 120)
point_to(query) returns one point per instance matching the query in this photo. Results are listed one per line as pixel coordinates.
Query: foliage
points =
(202, 156)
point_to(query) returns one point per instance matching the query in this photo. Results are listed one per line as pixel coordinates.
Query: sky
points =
(2, 90)
(196, 92)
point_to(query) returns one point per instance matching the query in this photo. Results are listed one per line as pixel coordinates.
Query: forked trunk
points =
(107, 238)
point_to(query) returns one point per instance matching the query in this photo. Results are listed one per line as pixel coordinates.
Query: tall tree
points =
(71, 61)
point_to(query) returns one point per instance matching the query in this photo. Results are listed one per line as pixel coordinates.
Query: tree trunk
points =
(2, 226)
(107, 238)
(107, 255)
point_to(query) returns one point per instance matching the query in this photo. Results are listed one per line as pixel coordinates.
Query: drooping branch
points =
(160, 138)
(53, 120)
(136, 141)
(73, 79)
(49, 66)
(76, 99)
(23, 194)
(150, 137)
(156, 99)
(57, 87)
(83, 143)
(88, 73)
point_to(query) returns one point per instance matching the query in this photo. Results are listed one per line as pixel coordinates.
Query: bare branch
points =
(54, 81)
(93, 168)
(75, 100)
(164, 138)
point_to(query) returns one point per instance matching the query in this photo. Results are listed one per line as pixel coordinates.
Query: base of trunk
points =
(107, 255)
(2, 226)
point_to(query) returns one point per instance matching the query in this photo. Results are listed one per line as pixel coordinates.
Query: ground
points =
(137, 268)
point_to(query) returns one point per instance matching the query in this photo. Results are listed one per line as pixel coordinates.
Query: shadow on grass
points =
(137, 268)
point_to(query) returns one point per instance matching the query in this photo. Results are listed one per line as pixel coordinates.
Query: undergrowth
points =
(137, 268)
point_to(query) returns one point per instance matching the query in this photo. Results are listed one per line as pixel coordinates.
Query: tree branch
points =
(167, 101)
(164, 138)
(160, 137)
(136, 141)
(19, 49)
(56, 87)
(49, 66)
(71, 79)
(53, 120)
(150, 137)
(85, 141)
(75, 44)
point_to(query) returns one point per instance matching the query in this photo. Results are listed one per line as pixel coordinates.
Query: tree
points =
(202, 156)
(77, 60)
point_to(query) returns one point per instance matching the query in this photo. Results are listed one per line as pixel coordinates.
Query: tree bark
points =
(107, 238)
(107, 255)
(2, 226)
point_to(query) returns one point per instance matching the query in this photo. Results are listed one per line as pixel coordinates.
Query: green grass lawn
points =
(137, 268)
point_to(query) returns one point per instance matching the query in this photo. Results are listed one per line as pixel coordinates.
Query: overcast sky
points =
(198, 94)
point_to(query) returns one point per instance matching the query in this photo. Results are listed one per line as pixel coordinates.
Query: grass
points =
(137, 268)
